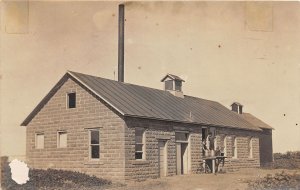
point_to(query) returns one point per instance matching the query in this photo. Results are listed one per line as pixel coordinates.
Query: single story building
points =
(123, 132)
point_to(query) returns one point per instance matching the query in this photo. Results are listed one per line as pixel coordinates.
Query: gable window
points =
(62, 139)
(234, 147)
(250, 147)
(94, 144)
(39, 140)
(139, 143)
(71, 102)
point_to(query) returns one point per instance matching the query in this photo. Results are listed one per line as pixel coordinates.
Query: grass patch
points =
(54, 179)
(289, 160)
(279, 181)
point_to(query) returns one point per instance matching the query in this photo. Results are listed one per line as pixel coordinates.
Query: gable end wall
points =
(90, 112)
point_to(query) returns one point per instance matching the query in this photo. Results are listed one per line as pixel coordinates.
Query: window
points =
(169, 84)
(234, 147)
(94, 141)
(225, 146)
(39, 140)
(139, 143)
(181, 136)
(178, 85)
(250, 147)
(216, 147)
(72, 100)
(62, 139)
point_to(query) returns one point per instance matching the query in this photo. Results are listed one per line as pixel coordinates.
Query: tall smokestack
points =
(121, 44)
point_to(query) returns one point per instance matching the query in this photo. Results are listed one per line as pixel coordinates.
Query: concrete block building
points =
(122, 131)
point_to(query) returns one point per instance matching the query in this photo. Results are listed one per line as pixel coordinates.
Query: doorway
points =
(182, 158)
(162, 158)
(204, 135)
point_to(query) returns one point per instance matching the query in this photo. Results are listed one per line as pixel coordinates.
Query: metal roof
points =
(143, 102)
(255, 121)
(139, 101)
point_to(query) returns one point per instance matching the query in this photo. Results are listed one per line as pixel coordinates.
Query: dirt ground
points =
(225, 181)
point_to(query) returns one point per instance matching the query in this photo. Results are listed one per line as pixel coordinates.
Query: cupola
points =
(237, 107)
(173, 84)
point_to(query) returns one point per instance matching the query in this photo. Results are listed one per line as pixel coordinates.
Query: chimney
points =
(173, 84)
(237, 107)
(121, 44)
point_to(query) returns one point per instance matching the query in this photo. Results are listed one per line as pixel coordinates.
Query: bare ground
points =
(225, 181)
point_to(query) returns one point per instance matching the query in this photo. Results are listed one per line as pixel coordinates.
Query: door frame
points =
(165, 162)
(186, 157)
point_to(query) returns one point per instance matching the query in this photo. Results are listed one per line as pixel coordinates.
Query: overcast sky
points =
(225, 51)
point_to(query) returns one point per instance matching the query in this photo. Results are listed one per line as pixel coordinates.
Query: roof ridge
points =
(125, 83)
(189, 96)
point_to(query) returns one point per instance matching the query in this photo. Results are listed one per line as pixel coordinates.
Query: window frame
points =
(58, 139)
(234, 147)
(68, 100)
(250, 147)
(36, 140)
(92, 144)
(143, 144)
(225, 145)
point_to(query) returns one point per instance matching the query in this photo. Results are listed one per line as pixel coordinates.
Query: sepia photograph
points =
(149, 95)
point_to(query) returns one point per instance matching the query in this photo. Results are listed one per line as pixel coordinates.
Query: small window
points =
(39, 141)
(169, 85)
(62, 139)
(139, 143)
(94, 144)
(178, 85)
(72, 100)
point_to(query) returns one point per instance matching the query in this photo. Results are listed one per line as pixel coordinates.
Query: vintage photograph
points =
(149, 95)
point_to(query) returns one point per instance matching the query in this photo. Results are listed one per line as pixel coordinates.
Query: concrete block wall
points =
(243, 159)
(90, 112)
(148, 168)
(155, 131)
(196, 149)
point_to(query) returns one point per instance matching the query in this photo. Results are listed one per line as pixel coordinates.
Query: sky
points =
(247, 52)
